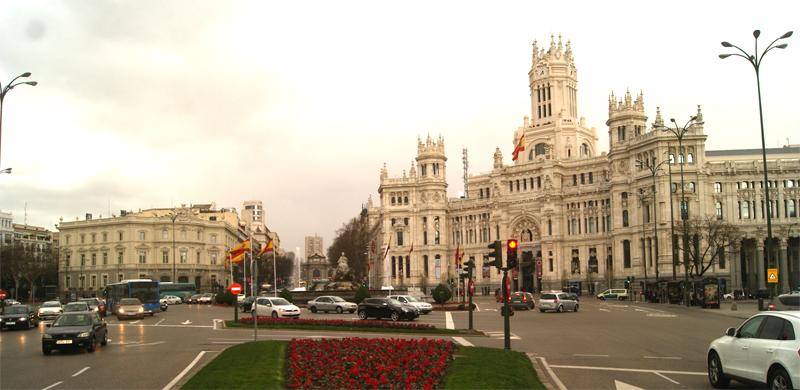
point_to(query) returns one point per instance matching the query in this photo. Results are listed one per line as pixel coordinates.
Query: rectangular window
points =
(183, 257)
(105, 237)
(67, 257)
(120, 236)
(400, 238)
(719, 210)
(105, 258)
(198, 257)
(212, 258)
(142, 257)
(164, 234)
(626, 253)
(105, 280)
(721, 260)
(83, 259)
(717, 187)
(119, 257)
(94, 258)
(165, 257)
(183, 234)
(141, 236)
(94, 280)
(436, 238)
(213, 239)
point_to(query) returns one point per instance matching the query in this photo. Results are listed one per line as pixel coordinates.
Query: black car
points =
(18, 317)
(386, 308)
(75, 330)
(247, 303)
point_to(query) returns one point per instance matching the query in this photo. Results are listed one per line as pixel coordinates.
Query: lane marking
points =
(162, 320)
(142, 345)
(80, 372)
(589, 355)
(663, 376)
(624, 386)
(662, 357)
(463, 342)
(552, 374)
(185, 370)
(633, 370)
(449, 321)
(53, 385)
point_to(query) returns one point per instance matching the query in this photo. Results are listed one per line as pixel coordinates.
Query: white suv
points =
(423, 307)
(762, 351)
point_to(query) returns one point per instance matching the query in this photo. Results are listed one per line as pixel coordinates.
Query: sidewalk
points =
(738, 309)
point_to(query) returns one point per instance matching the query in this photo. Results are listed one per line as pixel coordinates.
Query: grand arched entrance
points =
(528, 274)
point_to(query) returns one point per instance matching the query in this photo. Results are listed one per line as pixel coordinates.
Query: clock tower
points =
(554, 129)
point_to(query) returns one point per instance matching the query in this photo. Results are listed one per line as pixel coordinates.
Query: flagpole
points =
(274, 272)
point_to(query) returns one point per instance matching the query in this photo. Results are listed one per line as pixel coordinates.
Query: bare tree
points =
(352, 239)
(707, 239)
(24, 263)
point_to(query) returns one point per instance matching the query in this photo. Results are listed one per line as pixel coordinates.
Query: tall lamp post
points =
(756, 62)
(643, 196)
(3, 93)
(173, 215)
(684, 208)
(653, 168)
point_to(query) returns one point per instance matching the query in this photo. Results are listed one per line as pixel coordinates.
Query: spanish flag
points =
(266, 248)
(236, 257)
(458, 247)
(412, 248)
(520, 147)
(243, 247)
(389, 245)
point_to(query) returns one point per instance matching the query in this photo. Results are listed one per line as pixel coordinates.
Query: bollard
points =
(733, 307)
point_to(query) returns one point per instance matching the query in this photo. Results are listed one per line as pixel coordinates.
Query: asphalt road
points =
(605, 345)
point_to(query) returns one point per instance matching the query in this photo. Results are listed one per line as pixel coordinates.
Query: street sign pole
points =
(470, 288)
(506, 314)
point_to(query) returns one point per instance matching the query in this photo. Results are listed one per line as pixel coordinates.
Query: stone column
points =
(783, 266)
(759, 271)
(736, 267)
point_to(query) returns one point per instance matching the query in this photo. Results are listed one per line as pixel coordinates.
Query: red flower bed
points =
(358, 363)
(342, 323)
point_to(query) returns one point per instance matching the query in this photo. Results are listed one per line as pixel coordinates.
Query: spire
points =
(552, 44)
(659, 120)
(560, 47)
(699, 114)
(535, 53)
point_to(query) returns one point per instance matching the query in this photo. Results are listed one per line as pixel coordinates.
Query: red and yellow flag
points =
(237, 257)
(520, 147)
(243, 247)
(266, 248)
(412, 248)
(389, 245)
(458, 248)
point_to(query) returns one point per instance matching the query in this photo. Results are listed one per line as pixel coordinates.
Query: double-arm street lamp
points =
(684, 208)
(173, 215)
(756, 62)
(3, 93)
(653, 168)
(643, 202)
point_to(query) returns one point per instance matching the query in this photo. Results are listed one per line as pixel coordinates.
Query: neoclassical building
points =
(189, 242)
(581, 215)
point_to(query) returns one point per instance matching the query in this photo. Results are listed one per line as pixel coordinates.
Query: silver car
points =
(50, 310)
(328, 303)
(423, 307)
(557, 301)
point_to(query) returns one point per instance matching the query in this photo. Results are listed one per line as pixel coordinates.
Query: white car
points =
(206, 298)
(171, 300)
(423, 307)
(328, 303)
(50, 310)
(275, 307)
(761, 352)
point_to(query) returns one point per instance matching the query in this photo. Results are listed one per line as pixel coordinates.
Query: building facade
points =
(316, 268)
(581, 216)
(182, 244)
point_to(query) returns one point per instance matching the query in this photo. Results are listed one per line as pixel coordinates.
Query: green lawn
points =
(259, 365)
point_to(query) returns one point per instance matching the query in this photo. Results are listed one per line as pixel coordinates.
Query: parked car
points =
(10, 302)
(614, 293)
(171, 300)
(557, 301)
(521, 300)
(386, 308)
(784, 302)
(76, 330)
(95, 304)
(423, 307)
(130, 307)
(761, 352)
(275, 307)
(18, 317)
(76, 306)
(240, 297)
(328, 303)
(50, 310)
(246, 304)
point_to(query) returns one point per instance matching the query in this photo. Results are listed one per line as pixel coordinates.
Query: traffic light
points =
(628, 282)
(512, 254)
(497, 253)
(503, 311)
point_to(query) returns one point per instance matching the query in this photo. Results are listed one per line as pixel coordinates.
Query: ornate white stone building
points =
(569, 207)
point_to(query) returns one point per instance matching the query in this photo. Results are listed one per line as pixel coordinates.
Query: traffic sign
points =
(471, 287)
(508, 286)
(2, 294)
(772, 275)
(236, 288)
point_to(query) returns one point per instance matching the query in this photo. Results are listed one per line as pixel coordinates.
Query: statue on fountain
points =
(344, 278)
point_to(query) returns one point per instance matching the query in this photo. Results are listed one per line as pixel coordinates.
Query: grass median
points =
(261, 364)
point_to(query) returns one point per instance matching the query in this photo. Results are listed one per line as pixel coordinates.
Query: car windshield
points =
(393, 301)
(338, 299)
(412, 299)
(82, 306)
(73, 320)
(51, 304)
(16, 309)
(280, 302)
(130, 301)
(548, 296)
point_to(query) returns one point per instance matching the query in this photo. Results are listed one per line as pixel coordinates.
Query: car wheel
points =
(46, 351)
(560, 309)
(621, 298)
(362, 315)
(352, 311)
(541, 310)
(105, 338)
(274, 314)
(313, 309)
(91, 348)
(395, 316)
(28, 327)
(576, 308)
(780, 379)
(119, 318)
(715, 374)
(339, 310)
(602, 298)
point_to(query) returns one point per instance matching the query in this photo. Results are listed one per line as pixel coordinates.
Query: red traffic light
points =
(512, 244)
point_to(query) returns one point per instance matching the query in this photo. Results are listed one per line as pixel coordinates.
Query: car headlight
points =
(281, 310)
(41, 311)
(84, 334)
(141, 309)
(96, 308)
(23, 318)
(47, 336)
(121, 310)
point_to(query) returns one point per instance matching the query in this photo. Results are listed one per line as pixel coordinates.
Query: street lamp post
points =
(173, 215)
(684, 207)
(756, 62)
(3, 93)
(653, 168)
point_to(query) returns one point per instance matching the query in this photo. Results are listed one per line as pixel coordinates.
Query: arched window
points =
(624, 218)
(405, 200)
(584, 150)
(690, 158)
(539, 149)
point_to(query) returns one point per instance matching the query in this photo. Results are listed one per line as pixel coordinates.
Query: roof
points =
(747, 152)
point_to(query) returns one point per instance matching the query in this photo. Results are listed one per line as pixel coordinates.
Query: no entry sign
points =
(236, 288)
(2, 294)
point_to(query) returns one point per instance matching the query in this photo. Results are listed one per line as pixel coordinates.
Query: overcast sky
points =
(146, 104)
